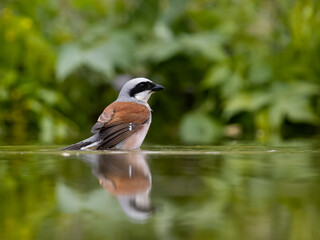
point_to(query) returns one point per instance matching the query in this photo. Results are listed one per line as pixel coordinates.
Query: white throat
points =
(143, 96)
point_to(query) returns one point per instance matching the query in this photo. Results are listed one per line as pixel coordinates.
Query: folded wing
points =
(118, 121)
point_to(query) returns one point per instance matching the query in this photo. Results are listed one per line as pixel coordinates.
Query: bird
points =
(124, 124)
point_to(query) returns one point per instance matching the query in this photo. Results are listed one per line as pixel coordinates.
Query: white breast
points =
(136, 139)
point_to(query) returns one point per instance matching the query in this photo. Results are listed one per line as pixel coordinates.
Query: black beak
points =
(157, 87)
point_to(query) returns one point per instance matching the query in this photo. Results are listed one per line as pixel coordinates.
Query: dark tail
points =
(82, 145)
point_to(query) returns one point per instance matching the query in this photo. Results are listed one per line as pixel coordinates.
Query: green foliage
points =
(199, 128)
(254, 63)
(104, 57)
(28, 92)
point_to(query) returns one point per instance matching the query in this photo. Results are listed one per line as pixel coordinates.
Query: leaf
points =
(260, 99)
(98, 60)
(240, 102)
(291, 100)
(304, 88)
(217, 75)
(199, 128)
(301, 111)
(163, 31)
(121, 49)
(208, 44)
(115, 52)
(50, 97)
(259, 72)
(232, 86)
(159, 51)
(69, 59)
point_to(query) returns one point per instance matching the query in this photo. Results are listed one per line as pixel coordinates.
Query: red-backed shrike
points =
(125, 122)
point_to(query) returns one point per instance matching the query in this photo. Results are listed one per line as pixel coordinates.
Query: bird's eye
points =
(142, 85)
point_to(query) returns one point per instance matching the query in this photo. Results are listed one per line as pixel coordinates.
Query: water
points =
(234, 191)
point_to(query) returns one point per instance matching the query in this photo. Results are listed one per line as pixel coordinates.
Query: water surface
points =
(232, 191)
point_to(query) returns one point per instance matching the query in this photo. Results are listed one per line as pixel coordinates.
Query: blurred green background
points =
(240, 69)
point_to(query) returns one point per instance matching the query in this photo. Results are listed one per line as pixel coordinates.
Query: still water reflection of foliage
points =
(226, 192)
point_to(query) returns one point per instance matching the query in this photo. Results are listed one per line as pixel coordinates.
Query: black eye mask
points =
(140, 87)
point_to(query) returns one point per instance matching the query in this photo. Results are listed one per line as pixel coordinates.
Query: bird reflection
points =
(127, 176)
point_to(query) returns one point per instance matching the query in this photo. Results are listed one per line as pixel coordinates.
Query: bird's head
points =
(139, 89)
